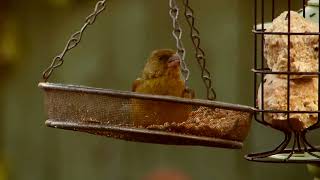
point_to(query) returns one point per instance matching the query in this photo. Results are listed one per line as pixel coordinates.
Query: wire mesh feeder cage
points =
(286, 78)
(144, 117)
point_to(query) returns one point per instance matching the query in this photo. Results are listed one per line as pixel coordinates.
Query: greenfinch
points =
(161, 76)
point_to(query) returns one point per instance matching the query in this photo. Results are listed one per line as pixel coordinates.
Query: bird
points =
(161, 76)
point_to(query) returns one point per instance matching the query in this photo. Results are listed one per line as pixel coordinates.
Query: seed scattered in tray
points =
(210, 122)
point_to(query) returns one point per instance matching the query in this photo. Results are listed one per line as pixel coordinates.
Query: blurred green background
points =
(111, 55)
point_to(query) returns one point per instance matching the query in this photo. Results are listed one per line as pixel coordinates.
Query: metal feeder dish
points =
(110, 113)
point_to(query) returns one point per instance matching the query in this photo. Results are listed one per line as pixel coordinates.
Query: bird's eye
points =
(164, 57)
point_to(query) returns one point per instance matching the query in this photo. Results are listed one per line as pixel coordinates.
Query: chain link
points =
(74, 40)
(177, 34)
(200, 54)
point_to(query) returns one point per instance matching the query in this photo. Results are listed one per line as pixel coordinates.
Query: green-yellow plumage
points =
(161, 76)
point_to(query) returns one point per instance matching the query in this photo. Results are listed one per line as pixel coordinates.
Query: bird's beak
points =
(174, 61)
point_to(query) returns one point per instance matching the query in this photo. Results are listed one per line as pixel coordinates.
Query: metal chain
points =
(177, 34)
(74, 40)
(200, 54)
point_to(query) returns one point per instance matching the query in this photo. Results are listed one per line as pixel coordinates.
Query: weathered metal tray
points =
(113, 113)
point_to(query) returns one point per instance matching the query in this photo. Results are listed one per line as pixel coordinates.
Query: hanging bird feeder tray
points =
(113, 113)
(108, 113)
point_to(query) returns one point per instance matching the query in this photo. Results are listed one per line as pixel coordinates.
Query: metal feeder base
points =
(302, 158)
(112, 113)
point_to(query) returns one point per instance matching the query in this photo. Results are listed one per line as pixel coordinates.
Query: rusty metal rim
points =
(127, 94)
(126, 132)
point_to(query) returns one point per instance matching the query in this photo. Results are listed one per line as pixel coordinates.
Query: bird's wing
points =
(136, 84)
